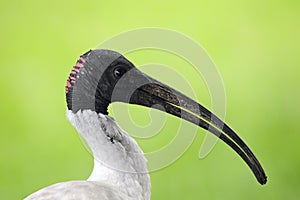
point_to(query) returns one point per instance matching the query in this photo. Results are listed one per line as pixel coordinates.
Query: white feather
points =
(119, 172)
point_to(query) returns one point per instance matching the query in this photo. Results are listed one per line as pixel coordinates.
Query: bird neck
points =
(118, 160)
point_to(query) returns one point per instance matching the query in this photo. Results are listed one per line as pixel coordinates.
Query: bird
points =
(101, 77)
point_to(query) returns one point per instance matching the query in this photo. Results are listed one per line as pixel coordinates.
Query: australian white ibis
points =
(101, 77)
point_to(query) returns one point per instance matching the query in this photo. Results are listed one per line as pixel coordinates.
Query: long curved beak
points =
(150, 92)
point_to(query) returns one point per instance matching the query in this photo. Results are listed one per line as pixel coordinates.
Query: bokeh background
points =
(255, 45)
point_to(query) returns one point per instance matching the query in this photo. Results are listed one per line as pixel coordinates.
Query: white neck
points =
(118, 160)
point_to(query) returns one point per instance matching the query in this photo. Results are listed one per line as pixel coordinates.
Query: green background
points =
(255, 45)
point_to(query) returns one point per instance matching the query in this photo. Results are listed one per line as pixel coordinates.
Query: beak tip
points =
(262, 180)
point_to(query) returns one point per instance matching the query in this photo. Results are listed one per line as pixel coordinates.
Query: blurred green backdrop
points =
(255, 45)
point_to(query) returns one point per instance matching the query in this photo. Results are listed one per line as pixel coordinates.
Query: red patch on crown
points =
(74, 73)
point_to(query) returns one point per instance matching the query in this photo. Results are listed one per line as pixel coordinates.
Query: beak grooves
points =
(182, 106)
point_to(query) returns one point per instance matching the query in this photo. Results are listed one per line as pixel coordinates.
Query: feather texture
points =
(120, 170)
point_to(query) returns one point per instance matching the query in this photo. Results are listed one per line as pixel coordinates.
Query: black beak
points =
(138, 88)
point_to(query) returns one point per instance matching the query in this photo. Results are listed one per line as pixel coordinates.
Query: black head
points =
(93, 78)
(103, 76)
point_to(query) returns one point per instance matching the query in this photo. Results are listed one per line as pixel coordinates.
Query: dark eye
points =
(118, 72)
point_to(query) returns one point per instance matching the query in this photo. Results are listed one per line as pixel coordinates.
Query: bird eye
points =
(118, 72)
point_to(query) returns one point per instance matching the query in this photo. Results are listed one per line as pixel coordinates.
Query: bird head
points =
(101, 77)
